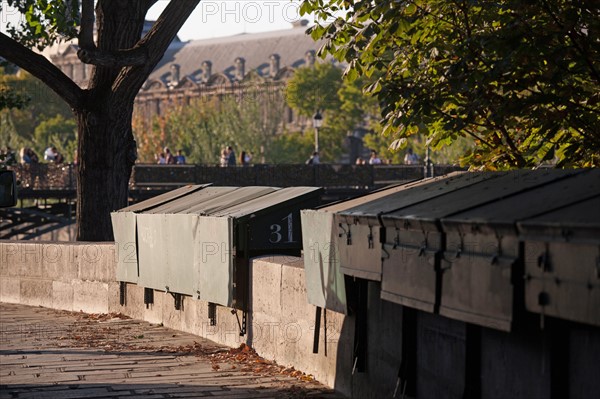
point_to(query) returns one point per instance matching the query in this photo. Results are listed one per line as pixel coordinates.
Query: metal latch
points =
(122, 292)
(347, 233)
(397, 239)
(148, 297)
(212, 313)
(544, 262)
(243, 323)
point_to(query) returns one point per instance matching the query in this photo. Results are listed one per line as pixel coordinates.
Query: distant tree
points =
(202, 128)
(522, 79)
(10, 99)
(60, 133)
(315, 88)
(291, 147)
(18, 125)
(122, 61)
(342, 103)
(443, 155)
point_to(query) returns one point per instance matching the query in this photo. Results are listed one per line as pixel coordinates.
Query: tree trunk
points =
(106, 153)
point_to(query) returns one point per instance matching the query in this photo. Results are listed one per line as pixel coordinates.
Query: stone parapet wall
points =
(448, 357)
(66, 276)
(82, 277)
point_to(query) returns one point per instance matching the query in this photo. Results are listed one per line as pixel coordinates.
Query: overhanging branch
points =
(86, 33)
(150, 3)
(117, 59)
(89, 52)
(42, 69)
(156, 42)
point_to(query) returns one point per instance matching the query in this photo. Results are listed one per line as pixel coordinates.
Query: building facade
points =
(238, 65)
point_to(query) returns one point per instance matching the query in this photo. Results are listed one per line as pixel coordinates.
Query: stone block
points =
(227, 328)
(62, 295)
(264, 334)
(114, 297)
(191, 318)
(171, 317)
(9, 258)
(10, 290)
(58, 262)
(134, 302)
(154, 312)
(96, 261)
(90, 296)
(293, 294)
(265, 286)
(30, 258)
(36, 292)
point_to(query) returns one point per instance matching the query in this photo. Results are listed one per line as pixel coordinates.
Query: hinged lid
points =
(500, 217)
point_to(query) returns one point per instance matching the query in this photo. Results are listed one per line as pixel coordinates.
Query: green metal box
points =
(125, 230)
(562, 258)
(200, 243)
(324, 279)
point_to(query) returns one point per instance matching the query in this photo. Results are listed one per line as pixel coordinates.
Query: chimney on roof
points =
(309, 58)
(174, 74)
(240, 66)
(301, 23)
(206, 71)
(274, 64)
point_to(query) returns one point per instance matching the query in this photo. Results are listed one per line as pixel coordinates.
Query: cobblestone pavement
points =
(55, 354)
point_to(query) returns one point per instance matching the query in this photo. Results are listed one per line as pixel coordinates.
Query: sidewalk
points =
(46, 353)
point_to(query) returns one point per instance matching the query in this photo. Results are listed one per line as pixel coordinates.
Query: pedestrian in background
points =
(169, 158)
(411, 158)
(230, 156)
(180, 158)
(314, 159)
(374, 160)
(224, 157)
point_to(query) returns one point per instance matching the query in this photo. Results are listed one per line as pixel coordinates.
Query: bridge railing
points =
(64, 176)
(46, 176)
(281, 175)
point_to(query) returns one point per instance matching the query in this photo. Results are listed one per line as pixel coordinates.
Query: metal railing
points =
(34, 177)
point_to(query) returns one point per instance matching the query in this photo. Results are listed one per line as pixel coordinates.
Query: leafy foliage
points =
(254, 122)
(42, 22)
(315, 88)
(443, 155)
(18, 125)
(6, 159)
(522, 78)
(59, 132)
(11, 99)
(204, 127)
(342, 103)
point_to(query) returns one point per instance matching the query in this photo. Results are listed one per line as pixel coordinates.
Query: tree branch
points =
(42, 69)
(593, 71)
(90, 54)
(117, 59)
(156, 42)
(476, 137)
(150, 3)
(86, 33)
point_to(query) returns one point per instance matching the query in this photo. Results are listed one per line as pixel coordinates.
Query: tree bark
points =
(106, 154)
(106, 147)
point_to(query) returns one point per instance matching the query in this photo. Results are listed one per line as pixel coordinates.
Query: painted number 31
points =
(278, 231)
